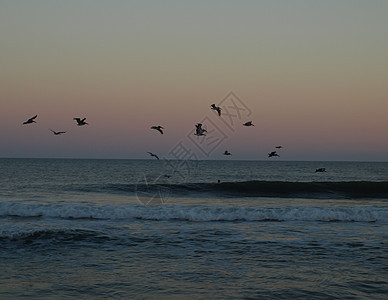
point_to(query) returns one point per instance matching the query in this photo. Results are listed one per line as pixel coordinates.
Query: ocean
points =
(158, 229)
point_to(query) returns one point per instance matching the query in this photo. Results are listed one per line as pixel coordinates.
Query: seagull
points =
(227, 152)
(81, 122)
(57, 132)
(154, 155)
(216, 108)
(248, 124)
(199, 130)
(158, 128)
(30, 120)
(279, 147)
(320, 170)
(273, 153)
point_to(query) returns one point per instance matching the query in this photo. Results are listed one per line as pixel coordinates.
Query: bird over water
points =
(154, 155)
(248, 123)
(199, 130)
(57, 132)
(158, 128)
(81, 122)
(216, 108)
(30, 120)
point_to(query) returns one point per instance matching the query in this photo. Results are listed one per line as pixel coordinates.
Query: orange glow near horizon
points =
(313, 74)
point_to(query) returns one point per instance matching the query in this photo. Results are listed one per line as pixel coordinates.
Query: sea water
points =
(149, 229)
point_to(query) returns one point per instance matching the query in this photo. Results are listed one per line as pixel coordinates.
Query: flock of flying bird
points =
(80, 122)
(199, 131)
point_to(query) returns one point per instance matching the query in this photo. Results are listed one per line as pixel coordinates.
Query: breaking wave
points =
(197, 213)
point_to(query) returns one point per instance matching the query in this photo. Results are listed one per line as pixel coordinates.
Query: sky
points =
(311, 76)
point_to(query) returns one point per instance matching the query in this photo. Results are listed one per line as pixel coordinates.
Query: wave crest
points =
(197, 213)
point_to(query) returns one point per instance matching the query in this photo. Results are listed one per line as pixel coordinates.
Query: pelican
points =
(30, 120)
(279, 147)
(199, 130)
(273, 153)
(154, 155)
(248, 124)
(227, 152)
(320, 170)
(158, 128)
(81, 122)
(57, 132)
(216, 108)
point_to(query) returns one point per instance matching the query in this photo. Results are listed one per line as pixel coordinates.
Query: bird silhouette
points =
(279, 147)
(248, 124)
(30, 120)
(320, 170)
(158, 128)
(273, 153)
(199, 130)
(57, 132)
(227, 152)
(216, 108)
(154, 155)
(81, 122)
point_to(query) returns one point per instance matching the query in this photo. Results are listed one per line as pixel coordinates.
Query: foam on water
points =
(197, 213)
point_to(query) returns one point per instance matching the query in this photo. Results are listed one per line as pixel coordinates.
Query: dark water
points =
(124, 229)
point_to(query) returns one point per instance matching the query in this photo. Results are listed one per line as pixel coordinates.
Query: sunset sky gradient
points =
(314, 75)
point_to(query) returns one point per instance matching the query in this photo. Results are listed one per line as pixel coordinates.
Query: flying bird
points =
(57, 132)
(216, 108)
(279, 147)
(81, 122)
(320, 170)
(154, 155)
(273, 153)
(158, 128)
(248, 124)
(30, 120)
(227, 152)
(199, 130)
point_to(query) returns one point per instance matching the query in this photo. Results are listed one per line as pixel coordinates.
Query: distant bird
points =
(57, 132)
(199, 130)
(154, 155)
(273, 153)
(81, 122)
(279, 147)
(320, 170)
(248, 124)
(216, 108)
(158, 128)
(167, 176)
(30, 120)
(227, 152)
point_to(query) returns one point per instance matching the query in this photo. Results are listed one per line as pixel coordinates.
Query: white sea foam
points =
(198, 213)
